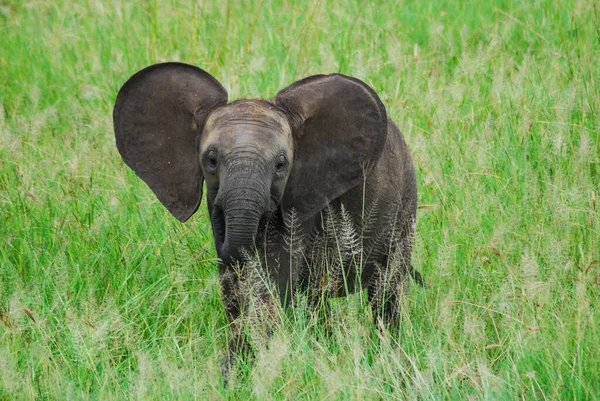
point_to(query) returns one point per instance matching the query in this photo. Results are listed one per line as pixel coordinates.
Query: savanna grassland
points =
(104, 295)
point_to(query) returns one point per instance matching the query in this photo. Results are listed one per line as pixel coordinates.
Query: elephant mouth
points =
(218, 223)
(263, 227)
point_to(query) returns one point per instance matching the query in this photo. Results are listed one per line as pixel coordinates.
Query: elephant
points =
(321, 162)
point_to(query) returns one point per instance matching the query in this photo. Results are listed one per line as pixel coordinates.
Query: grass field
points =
(104, 295)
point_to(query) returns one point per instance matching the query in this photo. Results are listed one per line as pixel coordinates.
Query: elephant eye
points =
(210, 159)
(281, 164)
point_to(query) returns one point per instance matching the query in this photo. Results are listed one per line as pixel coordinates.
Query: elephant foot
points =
(226, 363)
(418, 278)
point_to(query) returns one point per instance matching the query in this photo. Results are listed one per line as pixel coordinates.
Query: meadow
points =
(104, 295)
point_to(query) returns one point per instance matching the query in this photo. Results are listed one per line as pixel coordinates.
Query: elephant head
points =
(308, 146)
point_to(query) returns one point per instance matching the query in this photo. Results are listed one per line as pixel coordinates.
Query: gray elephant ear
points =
(158, 115)
(340, 127)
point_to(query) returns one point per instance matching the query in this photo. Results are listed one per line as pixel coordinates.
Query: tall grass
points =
(104, 295)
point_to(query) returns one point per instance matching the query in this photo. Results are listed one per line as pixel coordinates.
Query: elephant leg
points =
(383, 293)
(251, 309)
(391, 277)
(318, 306)
(238, 345)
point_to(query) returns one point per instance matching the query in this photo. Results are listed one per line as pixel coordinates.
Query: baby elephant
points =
(317, 184)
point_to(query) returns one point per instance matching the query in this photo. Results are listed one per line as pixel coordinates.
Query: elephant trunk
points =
(240, 212)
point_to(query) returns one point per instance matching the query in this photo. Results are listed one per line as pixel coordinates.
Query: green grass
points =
(104, 295)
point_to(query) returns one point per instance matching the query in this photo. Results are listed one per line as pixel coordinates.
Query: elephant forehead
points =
(248, 112)
(247, 120)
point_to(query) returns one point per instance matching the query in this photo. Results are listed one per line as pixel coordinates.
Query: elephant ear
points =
(340, 127)
(158, 115)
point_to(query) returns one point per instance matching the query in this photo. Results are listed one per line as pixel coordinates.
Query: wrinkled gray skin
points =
(323, 142)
